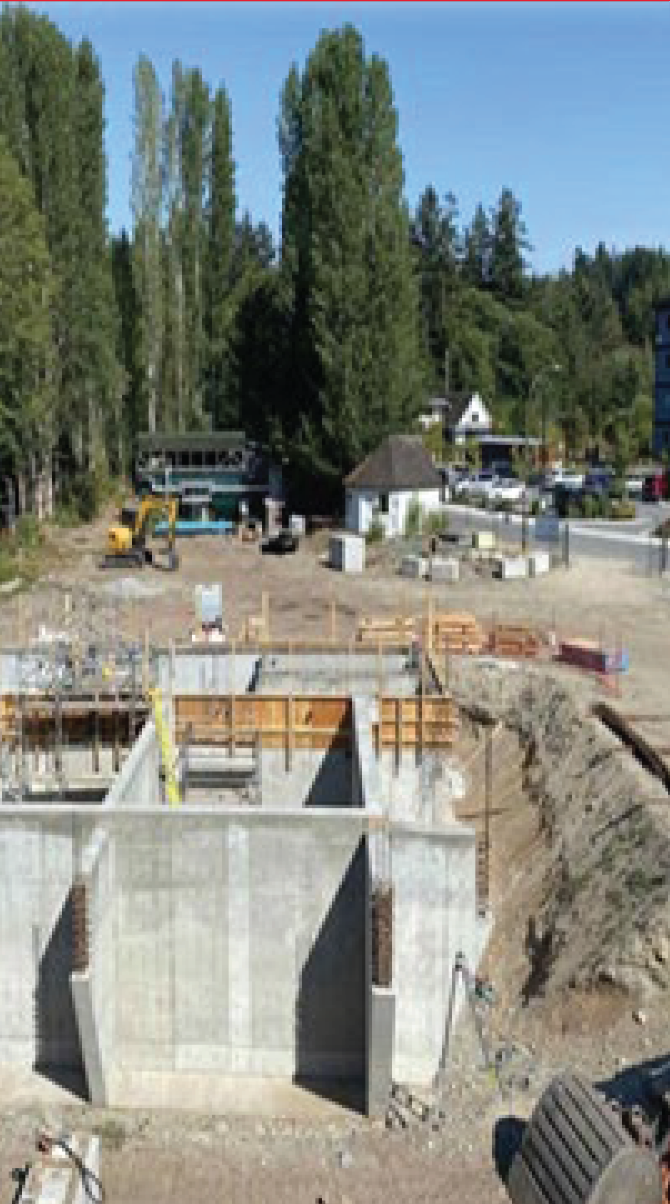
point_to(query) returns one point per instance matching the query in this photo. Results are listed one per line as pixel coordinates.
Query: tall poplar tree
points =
(219, 308)
(146, 200)
(346, 235)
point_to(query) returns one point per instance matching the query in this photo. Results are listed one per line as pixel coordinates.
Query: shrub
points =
(590, 506)
(535, 508)
(28, 532)
(413, 519)
(375, 532)
(84, 495)
(623, 510)
(436, 522)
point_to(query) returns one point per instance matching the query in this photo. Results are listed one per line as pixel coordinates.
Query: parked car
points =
(635, 486)
(508, 490)
(598, 483)
(568, 480)
(482, 485)
(655, 487)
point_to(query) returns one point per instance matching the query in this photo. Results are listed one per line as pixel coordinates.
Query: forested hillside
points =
(319, 346)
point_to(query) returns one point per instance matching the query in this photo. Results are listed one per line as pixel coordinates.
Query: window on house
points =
(474, 417)
(383, 503)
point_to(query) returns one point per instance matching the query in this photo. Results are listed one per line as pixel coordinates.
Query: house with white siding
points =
(382, 487)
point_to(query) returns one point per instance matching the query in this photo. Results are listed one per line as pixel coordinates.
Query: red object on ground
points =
(587, 655)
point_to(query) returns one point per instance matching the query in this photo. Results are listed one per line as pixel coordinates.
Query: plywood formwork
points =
(35, 718)
(278, 721)
(419, 723)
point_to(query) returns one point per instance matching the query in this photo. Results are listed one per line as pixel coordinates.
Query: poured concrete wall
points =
(316, 778)
(37, 863)
(421, 787)
(335, 673)
(138, 783)
(205, 671)
(434, 919)
(99, 876)
(241, 944)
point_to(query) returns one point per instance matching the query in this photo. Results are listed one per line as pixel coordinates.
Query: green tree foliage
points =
(219, 312)
(51, 114)
(146, 200)
(318, 352)
(133, 405)
(27, 405)
(508, 243)
(347, 255)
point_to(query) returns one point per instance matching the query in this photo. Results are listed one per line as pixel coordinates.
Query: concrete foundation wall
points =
(200, 671)
(335, 673)
(99, 876)
(138, 783)
(434, 918)
(37, 864)
(241, 944)
(421, 788)
(317, 778)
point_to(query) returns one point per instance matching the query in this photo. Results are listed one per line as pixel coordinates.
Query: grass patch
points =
(112, 1133)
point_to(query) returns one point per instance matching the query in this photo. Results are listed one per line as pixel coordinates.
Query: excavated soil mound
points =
(589, 905)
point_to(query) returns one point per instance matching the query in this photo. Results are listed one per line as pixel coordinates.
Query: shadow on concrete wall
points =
(332, 786)
(330, 1008)
(58, 1054)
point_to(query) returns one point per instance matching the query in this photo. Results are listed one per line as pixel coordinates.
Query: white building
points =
(382, 487)
(461, 414)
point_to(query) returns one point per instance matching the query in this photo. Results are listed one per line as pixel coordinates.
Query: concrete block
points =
(510, 568)
(347, 553)
(381, 1036)
(485, 541)
(444, 569)
(413, 566)
(538, 563)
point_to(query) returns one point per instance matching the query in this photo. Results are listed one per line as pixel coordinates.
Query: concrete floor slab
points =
(236, 1095)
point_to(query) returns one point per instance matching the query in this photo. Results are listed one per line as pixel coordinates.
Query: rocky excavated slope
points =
(593, 904)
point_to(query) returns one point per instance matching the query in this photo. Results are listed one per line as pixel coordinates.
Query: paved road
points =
(607, 541)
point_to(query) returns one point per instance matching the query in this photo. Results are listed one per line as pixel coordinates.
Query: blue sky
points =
(568, 103)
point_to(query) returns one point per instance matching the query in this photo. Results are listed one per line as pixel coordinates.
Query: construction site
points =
(355, 878)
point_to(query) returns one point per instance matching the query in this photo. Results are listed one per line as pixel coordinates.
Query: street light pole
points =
(554, 367)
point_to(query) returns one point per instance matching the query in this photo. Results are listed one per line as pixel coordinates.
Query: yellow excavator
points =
(127, 539)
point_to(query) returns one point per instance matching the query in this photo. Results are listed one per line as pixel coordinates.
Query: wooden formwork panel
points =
(417, 722)
(304, 721)
(37, 717)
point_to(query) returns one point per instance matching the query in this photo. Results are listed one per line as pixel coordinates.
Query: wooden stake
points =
(265, 614)
(232, 699)
(289, 731)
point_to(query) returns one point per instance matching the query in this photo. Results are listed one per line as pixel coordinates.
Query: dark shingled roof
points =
(454, 406)
(400, 462)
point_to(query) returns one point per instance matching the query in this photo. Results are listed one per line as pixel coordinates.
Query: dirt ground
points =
(165, 1157)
